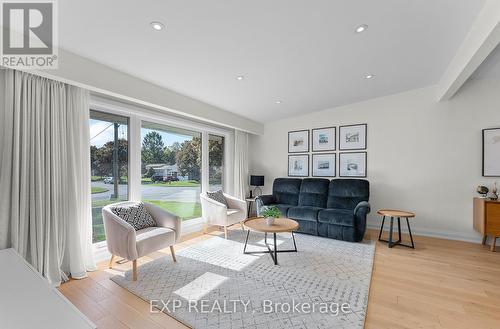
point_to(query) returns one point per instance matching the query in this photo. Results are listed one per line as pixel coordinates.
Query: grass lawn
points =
(185, 210)
(96, 189)
(186, 183)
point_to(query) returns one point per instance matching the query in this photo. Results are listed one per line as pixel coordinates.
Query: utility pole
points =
(116, 169)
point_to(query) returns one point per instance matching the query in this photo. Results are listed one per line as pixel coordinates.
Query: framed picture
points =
(298, 165)
(491, 152)
(352, 164)
(323, 165)
(298, 141)
(323, 139)
(352, 137)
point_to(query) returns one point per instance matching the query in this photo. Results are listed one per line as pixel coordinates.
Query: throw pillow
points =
(136, 215)
(218, 196)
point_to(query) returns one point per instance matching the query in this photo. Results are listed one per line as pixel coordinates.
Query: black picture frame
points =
(356, 176)
(307, 162)
(334, 135)
(334, 163)
(308, 140)
(484, 173)
(365, 140)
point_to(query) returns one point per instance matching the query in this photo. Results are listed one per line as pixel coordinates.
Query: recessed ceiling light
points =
(278, 102)
(240, 77)
(157, 26)
(369, 76)
(361, 28)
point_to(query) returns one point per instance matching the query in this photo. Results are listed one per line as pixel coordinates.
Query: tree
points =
(152, 148)
(215, 160)
(93, 160)
(189, 159)
(103, 158)
(169, 155)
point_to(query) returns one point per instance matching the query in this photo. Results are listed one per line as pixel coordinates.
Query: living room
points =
(285, 164)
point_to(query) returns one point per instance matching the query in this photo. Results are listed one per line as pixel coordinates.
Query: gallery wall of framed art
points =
(491, 152)
(298, 165)
(322, 143)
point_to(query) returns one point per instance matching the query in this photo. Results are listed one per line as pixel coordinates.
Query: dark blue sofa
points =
(335, 209)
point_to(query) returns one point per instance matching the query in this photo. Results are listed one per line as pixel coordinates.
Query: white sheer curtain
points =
(45, 209)
(240, 164)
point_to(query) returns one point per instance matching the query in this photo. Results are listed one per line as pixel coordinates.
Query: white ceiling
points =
(304, 53)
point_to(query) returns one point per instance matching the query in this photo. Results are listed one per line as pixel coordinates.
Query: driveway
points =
(166, 193)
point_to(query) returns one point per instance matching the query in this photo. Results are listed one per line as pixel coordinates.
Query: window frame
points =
(100, 244)
(136, 116)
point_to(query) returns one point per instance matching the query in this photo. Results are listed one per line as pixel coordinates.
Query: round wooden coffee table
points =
(392, 213)
(282, 224)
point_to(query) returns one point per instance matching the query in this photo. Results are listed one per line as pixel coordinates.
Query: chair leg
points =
(172, 252)
(225, 232)
(242, 226)
(134, 270)
(111, 261)
(493, 243)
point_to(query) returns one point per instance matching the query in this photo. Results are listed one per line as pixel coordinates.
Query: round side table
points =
(395, 214)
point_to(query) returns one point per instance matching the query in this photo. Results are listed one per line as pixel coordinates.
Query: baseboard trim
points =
(458, 236)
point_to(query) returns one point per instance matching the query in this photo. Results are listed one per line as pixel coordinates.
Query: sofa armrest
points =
(166, 219)
(262, 201)
(120, 235)
(360, 212)
(363, 206)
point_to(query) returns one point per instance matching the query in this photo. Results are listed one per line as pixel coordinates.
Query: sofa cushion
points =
(314, 192)
(343, 217)
(135, 214)
(286, 190)
(282, 207)
(347, 193)
(304, 213)
(153, 238)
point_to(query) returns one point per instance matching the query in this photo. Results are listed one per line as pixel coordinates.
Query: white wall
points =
(423, 156)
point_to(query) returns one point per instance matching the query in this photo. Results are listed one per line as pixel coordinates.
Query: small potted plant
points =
(270, 213)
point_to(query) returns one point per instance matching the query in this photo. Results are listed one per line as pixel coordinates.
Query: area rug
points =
(214, 285)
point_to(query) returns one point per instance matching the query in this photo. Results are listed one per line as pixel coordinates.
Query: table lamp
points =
(256, 181)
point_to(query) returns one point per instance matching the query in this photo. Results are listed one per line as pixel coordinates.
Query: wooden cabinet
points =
(487, 219)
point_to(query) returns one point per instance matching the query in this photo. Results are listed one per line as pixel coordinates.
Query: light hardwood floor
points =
(440, 284)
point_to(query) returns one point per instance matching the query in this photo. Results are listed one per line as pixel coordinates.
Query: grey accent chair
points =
(124, 241)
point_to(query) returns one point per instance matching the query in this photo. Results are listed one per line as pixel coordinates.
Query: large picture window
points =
(215, 162)
(171, 169)
(109, 165)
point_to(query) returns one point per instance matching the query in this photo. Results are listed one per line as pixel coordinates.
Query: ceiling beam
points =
(481, 40)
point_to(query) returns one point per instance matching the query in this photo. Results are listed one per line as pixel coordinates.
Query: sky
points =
(101, 132)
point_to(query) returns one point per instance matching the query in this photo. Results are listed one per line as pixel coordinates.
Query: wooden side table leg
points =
(483, 242)
(381, 228)
(390, 232)
(399, 229)
(493, 243)
(409, 231)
